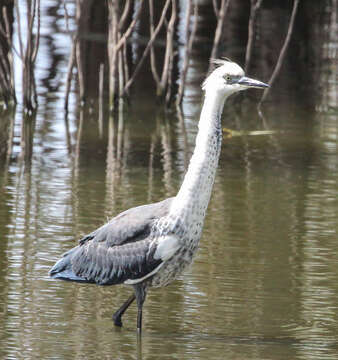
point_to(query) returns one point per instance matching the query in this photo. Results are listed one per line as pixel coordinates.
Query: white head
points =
(229, 78)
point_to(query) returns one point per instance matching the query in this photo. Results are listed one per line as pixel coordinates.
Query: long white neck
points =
(192, 200)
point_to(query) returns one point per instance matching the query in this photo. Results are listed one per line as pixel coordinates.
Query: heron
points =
(149, 246)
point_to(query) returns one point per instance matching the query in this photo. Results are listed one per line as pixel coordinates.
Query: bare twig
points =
(124, 15)
(101, 84)
(216, 10)
(221, 15)
(4, 60)
(167, 157)
(80, 71)
(112, 55)
(120, 72)
(66, 15)
(7, 32)
(149, 45)
(169, 47)
(18, 19)
(37, 38)
(187, 54)
(282, 52)
(189, 39)
(125, 63)
(8, 60)
(127, 33)
(152, 53)
(254, 7)
(10, 139)
(71, 63)
(26, 54)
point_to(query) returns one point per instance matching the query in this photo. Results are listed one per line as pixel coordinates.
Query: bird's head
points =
(229, 78)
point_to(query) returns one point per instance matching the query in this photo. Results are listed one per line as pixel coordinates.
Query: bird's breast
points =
(178, 262)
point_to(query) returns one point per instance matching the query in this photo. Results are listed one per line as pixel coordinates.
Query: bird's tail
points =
(63, 268)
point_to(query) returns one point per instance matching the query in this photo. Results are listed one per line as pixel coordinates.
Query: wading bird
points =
(150, 245)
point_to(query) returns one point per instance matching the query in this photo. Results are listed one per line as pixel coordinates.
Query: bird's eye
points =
(227, 78)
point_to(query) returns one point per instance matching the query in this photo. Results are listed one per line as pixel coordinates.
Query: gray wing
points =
(129, 226)
(117, 251)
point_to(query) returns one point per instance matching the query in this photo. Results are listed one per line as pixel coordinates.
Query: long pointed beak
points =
(247, 82)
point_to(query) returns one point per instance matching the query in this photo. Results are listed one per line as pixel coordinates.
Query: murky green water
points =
(264, 284)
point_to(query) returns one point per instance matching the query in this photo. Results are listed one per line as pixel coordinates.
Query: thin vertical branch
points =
(120, 131)
(254, 7)
(18, 19)
(128, 32)
(124, 14)
(68, 137)
(34, 92)
(167, 157)
(78, 144)
(70, 67)
(216, 10)
(110, 164)
(120, 72)
(125, 63)
(6, 61)
(169, 47)
(66, 15)
(152, 53)
(117, 46)
(282, 52)
(28, 54)
(170, 79)
(189, 39)
(72, 58)
(123, 50)
(27, 70)
(10, 54)
(37, 38)
(10, 139)
(187, 53)
(101, 84)
(221, 15)
(6, 32)
(80, 71)
(149, 45)
(112, 39)
(30, 20)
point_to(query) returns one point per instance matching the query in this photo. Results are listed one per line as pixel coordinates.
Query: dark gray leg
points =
(140, 292)
(118, 314)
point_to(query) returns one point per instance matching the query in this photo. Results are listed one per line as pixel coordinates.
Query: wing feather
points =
(129, 226)
(114, 265)
(118, 251)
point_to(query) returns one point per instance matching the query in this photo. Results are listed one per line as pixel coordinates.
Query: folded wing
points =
(118, 251)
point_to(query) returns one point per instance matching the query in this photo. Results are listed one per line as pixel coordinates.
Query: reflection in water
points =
(264, 281)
